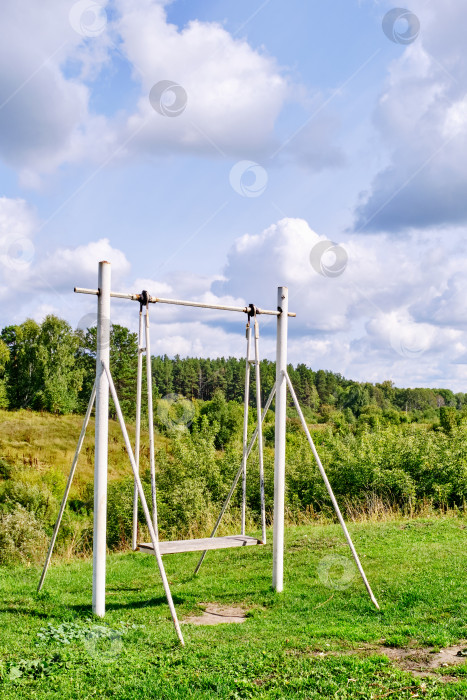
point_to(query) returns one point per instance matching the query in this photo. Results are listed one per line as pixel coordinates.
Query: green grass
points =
(311, 641)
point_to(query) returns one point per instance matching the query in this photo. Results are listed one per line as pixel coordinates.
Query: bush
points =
(186, 511)
(6, 468)
(396, 484)
(448, 418)
(226, 416)
(120, 513)
(390, 415)
(38, 501)
(22, 538)
(293, 425)
(403, 466)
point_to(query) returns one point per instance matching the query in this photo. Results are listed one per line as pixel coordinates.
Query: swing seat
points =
(177, 546)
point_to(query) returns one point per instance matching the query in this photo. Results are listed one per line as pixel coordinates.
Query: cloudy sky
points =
(215, 150)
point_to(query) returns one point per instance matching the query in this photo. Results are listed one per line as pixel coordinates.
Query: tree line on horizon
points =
(49, 366)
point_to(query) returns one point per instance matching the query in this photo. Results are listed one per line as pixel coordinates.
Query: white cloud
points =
(446, 307)
(197, 339)
(80, 264)
(374, 321)
(34, 284)
(422, 120)
(45, 119)
(234, 93)
(154, 287)
(18, 224)
(277, 255)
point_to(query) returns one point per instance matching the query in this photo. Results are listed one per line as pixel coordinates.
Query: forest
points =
(51, 367)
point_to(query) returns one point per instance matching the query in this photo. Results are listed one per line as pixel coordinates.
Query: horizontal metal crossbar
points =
(182, 302)
(177, 546)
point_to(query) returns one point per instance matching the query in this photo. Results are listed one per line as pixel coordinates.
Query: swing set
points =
(104, 386)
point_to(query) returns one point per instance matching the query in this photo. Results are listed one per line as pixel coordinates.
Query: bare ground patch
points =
(217, 614)
(421, 662)
(418, 661)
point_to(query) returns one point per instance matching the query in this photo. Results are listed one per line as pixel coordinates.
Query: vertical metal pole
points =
(152, 465)
(139, 381)
(245, 422)
(260, 434)
(279, 457)
(101, 442)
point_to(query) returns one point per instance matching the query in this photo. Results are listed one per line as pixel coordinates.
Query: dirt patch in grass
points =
(418, 661)
(216, 615)
(422, 662)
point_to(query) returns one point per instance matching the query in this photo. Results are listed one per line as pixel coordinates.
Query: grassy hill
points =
(42, 446)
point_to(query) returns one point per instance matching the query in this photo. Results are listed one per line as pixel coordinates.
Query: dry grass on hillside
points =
(42, 446)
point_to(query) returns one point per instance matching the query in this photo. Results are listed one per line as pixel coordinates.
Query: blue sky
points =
(298, 123)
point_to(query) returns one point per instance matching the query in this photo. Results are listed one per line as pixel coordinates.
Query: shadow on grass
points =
(25, 611)
(132, 605)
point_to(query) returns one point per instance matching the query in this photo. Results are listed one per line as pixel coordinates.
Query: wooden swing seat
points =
(177, 546)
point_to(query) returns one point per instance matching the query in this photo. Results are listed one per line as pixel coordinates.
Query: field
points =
(320, 638)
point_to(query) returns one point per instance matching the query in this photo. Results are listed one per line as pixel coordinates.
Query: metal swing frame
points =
(104, 388)
(212, 542)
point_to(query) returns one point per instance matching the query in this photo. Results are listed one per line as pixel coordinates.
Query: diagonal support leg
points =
(147, 514)
(239, 473)
(330, 492)
(68, 486)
